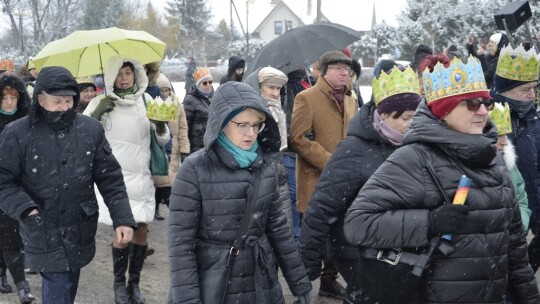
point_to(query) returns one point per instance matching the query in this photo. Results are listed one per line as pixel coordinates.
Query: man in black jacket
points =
(49, 162)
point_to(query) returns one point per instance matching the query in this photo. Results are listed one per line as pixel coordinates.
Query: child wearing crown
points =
(401, 212)
(516, 80)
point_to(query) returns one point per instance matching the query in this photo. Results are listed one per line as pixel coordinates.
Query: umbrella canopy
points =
(84, 53)
(302, 46)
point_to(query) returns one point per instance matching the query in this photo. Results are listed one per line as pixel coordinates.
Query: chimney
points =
(309, 7)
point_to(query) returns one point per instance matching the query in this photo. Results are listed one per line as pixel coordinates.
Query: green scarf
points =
(243, 157)
(123, 92)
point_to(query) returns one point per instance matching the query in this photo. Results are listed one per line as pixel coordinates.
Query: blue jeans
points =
(290, 164)
(59, 287)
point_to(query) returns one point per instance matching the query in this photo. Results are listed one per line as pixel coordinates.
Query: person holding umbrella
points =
(47, 183)
(123, 115)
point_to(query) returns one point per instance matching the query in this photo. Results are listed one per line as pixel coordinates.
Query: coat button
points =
(64, 161)
(61, 135)
(65, 186)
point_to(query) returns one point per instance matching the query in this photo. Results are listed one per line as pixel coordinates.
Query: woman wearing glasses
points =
(196, 105)
(402, 207)
(212, 190)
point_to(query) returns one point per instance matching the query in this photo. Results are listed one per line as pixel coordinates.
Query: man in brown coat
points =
(319, 122)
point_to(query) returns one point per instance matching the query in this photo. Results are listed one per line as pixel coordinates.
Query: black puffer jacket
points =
(209, 197)
(391, 211)
(196, 107)
(352, 163)
(54, 170)
(9, 228)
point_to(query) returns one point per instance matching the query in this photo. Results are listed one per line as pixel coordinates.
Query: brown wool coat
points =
(180, 144)
(316, 110)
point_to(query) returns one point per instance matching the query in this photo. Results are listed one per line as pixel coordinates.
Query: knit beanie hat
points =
(202, 74)
(332, 57)
(163, 82)
(270, 76)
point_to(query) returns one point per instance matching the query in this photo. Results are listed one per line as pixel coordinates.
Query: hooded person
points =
(152, 72)
(196, 105)
(49, 184)
(209, 198)
(401, 208)
(422, 51)
(236, 70)
(516, 80)
(123, 115)
(373, 134)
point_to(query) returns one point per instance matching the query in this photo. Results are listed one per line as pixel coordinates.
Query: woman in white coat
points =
(122, 111)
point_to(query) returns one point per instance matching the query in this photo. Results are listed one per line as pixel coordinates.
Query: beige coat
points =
(316, 111)
(180, 144)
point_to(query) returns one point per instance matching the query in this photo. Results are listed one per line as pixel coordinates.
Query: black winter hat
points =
(332, 57)
(357, 68)
(56, 80)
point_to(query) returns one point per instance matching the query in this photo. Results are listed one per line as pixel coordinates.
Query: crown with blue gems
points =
(457, 79)
(500, 116)
(396, 82)
(518, 64)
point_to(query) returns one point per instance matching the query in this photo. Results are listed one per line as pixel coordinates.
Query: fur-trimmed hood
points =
(509, 155)
(153, 72)
(23, 103)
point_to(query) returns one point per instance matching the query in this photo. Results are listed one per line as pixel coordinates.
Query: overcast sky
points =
(360, 10)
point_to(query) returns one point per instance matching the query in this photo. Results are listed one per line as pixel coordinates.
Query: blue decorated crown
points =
(457, 79)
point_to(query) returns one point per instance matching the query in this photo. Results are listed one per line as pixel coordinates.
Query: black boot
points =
(135, 267)
(120, 264)
(4, 286)
(157, 215)
(24, 292)
(330, 287)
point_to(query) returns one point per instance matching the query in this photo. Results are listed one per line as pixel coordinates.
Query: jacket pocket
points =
(88, 221)
(33, 233)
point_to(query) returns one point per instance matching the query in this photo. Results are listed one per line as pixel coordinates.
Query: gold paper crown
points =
(7, 64)
(160, 110)
(500, 115)
(459, 78)
(200, 73)
(396, 82)
(518, 64)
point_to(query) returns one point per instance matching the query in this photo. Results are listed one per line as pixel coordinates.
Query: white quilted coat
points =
(128, 131)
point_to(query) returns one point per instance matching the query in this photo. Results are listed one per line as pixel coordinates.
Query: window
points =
(289, 25)
(278, 27)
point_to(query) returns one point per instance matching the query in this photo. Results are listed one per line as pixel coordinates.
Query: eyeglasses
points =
(341, 68)
(244, 127)
(473, 105)
(207, 82)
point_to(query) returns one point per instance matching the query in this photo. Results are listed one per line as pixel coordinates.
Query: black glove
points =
(105, 105)
(303, 299)
(183, 156)
(449, 219)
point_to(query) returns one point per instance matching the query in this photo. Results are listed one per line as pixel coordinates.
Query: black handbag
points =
(392, 276)
(223, 256)
(159, 162)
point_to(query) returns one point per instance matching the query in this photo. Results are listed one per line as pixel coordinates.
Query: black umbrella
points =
(302, 46)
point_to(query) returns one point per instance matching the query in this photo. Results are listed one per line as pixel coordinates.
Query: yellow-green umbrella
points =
(84, 53)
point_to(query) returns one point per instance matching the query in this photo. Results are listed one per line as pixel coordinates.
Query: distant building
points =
(274, 17)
